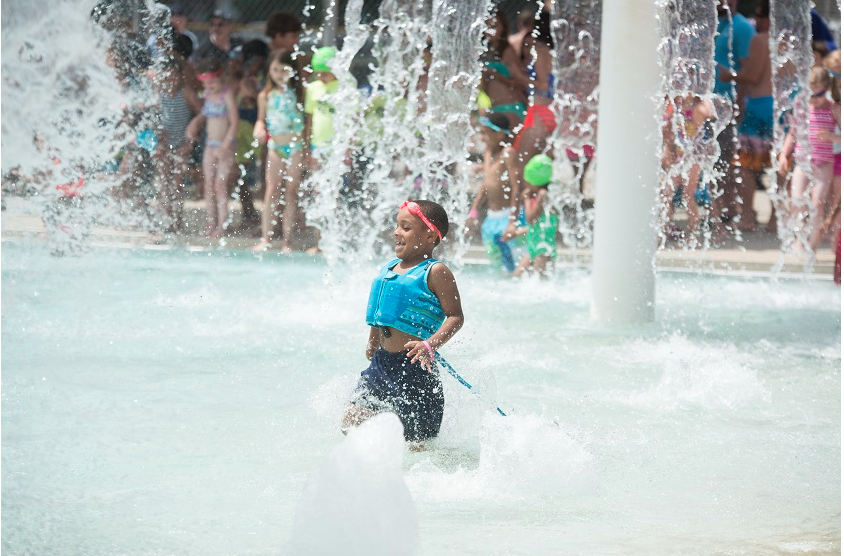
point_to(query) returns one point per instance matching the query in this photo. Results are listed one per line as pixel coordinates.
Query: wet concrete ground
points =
(752, 253)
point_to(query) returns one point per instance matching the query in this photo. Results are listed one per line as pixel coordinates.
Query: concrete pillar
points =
(625, 241)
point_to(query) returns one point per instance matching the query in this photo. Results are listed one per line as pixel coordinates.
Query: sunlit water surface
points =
(173, 402)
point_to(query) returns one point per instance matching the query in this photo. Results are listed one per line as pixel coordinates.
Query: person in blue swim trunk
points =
(756, 131)
(495, 192)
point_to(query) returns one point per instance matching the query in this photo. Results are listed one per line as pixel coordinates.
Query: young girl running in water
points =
(280, 117)
(414, 308)
(219, 113)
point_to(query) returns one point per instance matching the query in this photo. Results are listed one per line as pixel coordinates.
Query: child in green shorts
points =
(542, 219)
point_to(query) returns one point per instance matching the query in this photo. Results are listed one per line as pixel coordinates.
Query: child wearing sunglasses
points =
(414, 308)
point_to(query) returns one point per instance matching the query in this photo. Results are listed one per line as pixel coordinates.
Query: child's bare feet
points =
(772, 223)
(747, 221)
(285, 248)
(263, 245)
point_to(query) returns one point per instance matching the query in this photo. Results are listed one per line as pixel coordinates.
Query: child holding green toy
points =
(542, 219)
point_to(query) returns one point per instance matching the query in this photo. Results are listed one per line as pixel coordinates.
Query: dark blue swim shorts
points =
(393, 383)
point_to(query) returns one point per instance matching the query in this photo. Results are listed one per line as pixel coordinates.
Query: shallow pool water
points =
(176, 402)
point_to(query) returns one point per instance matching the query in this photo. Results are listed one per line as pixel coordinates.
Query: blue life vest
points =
(404, 301)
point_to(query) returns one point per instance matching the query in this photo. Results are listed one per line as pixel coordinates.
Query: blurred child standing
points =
(179, 102)
(280, 117)
(542, 219)
(221, 119)
(495, 192)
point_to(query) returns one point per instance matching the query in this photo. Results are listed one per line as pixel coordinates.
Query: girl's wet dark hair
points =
(209, 65)
(255, 48)
(282, 23)
(499, 44)
(542, 29)
(435, 213)
(183, 46)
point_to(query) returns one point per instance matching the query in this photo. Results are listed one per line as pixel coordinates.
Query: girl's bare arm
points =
(234, 116)
(372, 343)
(442, 283)
(534, 210)
(259, 132)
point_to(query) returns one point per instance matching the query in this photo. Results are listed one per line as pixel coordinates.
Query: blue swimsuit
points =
(284, 118)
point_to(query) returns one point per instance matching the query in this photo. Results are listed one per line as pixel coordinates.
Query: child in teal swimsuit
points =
(281, 125)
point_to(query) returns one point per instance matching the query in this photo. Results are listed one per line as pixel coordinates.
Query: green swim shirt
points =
(322, 113)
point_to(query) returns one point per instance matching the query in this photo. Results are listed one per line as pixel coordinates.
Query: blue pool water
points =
(176, 402)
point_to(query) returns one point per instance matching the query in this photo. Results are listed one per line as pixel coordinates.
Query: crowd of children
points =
(233, 118)
(807, 187)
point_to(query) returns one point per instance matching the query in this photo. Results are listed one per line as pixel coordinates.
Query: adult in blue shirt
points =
(732, 46)
(738, 44)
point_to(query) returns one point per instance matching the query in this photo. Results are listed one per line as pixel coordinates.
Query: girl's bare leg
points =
(540, 265)
(225, 160)
(272, 195)
(689, 190)
(821, 190)
(834, 200)
(181, 169)
(163, 159)
(668, 187)
(746, 190)
(209, 170)
(292, 181)
(354, 416)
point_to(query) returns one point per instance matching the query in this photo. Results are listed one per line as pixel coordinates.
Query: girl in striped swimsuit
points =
(178, 102)
(822, 120)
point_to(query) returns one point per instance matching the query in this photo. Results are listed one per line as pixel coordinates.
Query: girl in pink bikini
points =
(221, 119)
(832, 224)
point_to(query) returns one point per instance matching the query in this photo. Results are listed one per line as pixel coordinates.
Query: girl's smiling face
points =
(213, 84)
(412, 236)
(280, 73)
